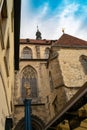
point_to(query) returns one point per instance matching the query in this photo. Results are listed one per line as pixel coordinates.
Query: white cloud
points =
(52, 28)
(43, 10)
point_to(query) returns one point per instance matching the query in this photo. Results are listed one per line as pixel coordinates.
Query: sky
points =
(51, 16)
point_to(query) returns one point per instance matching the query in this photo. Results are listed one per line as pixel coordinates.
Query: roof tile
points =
(71, 41)
(44, 41)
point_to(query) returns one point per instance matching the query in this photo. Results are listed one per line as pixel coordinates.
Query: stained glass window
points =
(29, 75)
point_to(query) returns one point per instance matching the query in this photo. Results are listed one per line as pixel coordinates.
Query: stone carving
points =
(27, 89)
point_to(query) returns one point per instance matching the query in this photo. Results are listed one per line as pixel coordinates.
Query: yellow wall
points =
(6, 66)
(33, 48)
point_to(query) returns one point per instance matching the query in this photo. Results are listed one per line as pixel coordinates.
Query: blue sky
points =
(53, 15)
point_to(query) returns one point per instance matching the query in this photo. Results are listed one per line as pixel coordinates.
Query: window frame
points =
(28, 55)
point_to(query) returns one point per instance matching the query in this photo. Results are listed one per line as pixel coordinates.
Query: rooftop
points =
(35, 41)
(70, 41)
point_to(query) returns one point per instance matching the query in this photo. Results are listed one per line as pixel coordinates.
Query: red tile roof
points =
(35, 41)
(70, 41)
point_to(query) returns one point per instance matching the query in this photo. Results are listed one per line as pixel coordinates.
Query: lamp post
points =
(27, 104)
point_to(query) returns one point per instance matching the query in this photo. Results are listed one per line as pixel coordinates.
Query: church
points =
(51, 73)
(55, 71)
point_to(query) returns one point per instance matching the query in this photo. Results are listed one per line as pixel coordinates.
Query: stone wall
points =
(67, 76)
(72, 70)
(41, 111)
(57, 97)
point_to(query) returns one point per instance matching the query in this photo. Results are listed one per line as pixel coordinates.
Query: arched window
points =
(29, 75)
(26, 53)
(47, 53)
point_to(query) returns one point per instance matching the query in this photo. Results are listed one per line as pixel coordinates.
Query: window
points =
(47, 53)
(26, 53)
(3, 16)
(29, 75)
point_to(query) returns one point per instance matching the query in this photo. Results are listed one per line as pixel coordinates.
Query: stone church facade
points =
(32, 69)
(55, 70)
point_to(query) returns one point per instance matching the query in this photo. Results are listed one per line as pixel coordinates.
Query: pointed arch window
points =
(47, 53)
(29, 75)
(26, 53)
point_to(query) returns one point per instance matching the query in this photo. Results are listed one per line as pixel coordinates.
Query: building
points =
(33, 58)
(67, 99)
(55, 71)
(7, 61)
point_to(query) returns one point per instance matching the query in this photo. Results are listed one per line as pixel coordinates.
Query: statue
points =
(27, 89)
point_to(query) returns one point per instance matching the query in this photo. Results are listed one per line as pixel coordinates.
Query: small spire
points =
(37, 28)
(38, 34)
(63, 30)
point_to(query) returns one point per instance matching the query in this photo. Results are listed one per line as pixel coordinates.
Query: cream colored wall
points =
(3, 104)
(11, 51)
(33, 48)
(8, 81)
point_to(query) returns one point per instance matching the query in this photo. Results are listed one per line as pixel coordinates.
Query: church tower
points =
(38, 34)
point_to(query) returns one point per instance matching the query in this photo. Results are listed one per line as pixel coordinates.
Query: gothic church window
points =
(26, 53)
(29, 75)
(47, 53)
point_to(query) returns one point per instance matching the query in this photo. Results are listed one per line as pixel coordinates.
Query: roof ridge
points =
(69, 40)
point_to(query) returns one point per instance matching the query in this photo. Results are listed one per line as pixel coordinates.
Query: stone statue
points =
(27, 88)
